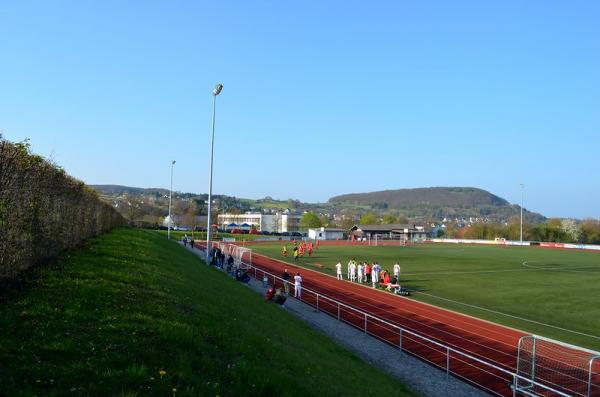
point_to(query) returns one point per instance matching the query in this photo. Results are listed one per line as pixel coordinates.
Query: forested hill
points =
(438, 202)
(117, 190)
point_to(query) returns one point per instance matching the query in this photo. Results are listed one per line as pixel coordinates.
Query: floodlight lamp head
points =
(217, 89)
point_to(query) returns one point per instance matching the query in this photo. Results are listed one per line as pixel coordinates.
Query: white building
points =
(326, 234)
(247, 221)
(288, 222)
(263, 222)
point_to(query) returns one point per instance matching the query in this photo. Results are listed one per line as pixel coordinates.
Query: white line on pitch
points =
(554, 269)
(471, 272)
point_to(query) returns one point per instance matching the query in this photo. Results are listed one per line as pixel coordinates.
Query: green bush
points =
(43, 210)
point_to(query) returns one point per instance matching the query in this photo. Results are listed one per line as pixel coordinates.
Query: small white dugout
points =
(322, 233)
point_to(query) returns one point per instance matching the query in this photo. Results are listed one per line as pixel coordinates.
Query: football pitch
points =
(553, 293)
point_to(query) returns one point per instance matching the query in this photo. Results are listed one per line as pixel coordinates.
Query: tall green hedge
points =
(43, 210)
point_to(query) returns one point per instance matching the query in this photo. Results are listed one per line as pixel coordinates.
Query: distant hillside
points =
(118, 190)
(438, 202)
(150, 205)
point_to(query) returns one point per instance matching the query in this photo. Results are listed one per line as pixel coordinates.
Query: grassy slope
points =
(107, 319)
(566, 293)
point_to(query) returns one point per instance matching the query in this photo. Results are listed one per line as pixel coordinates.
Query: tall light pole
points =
(170, 194)
(522, 194)
(215, 92)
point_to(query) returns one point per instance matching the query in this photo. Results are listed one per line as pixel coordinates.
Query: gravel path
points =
(420, 377)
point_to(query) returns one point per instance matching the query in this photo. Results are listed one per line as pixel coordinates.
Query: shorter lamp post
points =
(170, 194)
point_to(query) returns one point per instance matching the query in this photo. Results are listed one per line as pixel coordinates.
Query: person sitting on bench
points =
(385, 280)
(394, 285)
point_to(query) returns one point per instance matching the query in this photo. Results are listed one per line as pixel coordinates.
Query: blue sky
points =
(320, 98)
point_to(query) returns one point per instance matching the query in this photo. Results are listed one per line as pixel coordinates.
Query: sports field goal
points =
(242, 256)
(565, 368)
(379, 240)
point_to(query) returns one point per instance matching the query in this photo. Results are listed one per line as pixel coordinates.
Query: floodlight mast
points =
(215, 92)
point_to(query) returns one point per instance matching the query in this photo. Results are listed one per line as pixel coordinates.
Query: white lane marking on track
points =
(509, 315)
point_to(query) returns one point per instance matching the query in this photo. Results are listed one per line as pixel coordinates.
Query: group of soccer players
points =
(299, 249)
(365, 272)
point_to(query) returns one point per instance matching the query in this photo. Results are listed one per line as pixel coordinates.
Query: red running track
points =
(490, 342)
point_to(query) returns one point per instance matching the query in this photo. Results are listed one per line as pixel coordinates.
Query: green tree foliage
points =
(590, 231)
(43, 210)
(309, 221)
(369, 219)
(389, 219)
(550, 231)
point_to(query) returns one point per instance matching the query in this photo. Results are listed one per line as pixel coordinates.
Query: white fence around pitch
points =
(451, 360)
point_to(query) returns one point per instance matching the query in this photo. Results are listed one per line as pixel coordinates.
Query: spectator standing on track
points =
(338, 270)
(367, 272)
(360, 270)
(286, 280)
(353, 271)
(397, 270)
(298, 286)
(185, 240)
(192, 243)
(348, 270)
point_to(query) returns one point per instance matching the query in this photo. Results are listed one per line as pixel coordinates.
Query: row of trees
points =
(43, 210)
(311, 220)
(555, 230)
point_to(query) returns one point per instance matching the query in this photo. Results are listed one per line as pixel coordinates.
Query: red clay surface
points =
(490, 342)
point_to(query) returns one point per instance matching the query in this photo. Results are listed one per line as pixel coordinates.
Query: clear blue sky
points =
(320, 98)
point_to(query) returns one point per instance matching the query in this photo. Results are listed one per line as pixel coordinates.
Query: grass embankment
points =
(555, 293)
(133, 314)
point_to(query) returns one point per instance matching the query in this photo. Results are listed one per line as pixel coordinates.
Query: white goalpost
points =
(388, 240)
(242, 256)
(568, 369)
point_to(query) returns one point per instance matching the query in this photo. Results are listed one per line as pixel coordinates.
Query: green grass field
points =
(554, 293)
(133, 314)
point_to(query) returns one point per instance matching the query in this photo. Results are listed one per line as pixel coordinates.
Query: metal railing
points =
(440, 355)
